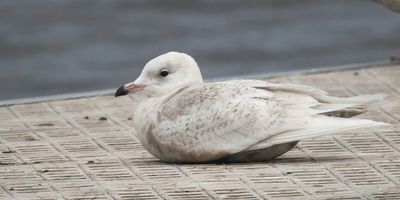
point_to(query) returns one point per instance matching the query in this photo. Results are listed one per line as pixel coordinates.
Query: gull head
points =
(164, 74)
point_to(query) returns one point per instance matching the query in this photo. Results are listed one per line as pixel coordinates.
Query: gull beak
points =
(129, 88)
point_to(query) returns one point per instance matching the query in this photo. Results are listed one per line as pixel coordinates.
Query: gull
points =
(182, 119)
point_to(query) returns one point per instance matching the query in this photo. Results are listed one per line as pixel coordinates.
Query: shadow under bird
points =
(182, 119)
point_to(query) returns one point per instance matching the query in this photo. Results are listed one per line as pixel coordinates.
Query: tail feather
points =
(342, 110)
(329, 105)
(322, 96)
(318, 126)
(360, 100)
(326, 108)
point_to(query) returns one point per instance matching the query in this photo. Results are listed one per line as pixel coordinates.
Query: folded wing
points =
(211, 121)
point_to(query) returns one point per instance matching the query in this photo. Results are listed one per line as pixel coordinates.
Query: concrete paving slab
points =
(83, 148)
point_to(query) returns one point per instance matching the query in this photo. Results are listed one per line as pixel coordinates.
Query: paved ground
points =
(67, 46)
(83, 149)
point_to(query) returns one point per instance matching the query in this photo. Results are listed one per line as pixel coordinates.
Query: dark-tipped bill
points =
(128, 88)
(121, 91)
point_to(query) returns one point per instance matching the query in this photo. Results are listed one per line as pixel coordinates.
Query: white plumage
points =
(182, 119)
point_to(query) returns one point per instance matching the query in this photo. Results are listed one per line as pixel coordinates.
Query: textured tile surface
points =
(84, 149)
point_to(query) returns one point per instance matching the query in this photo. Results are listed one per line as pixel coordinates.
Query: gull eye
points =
(164, 73)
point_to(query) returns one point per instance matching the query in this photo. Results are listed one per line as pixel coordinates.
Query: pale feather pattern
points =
(182, 119)
(213, 120)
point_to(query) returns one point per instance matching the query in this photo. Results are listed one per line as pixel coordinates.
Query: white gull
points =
(183, 119)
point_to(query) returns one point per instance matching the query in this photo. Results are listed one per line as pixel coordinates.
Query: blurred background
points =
(53, 47)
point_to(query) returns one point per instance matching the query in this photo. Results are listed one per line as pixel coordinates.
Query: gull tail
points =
(344, 107)
(329, 116)
(317, 126)
(323, 96)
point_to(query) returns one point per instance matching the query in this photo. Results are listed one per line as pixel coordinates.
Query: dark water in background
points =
(54, 47)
